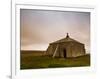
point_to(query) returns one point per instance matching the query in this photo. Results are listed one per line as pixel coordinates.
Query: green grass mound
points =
(37, 62)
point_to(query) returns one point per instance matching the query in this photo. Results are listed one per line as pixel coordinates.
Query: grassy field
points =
(37, 60)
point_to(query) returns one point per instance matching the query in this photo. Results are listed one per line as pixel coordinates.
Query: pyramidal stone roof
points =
(67, 39)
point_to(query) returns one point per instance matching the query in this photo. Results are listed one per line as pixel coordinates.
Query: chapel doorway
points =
(64, 53)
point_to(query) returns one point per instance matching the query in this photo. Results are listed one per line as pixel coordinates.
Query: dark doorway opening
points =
(64, 53)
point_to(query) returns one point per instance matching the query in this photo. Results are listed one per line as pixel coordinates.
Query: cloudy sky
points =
(41, 27)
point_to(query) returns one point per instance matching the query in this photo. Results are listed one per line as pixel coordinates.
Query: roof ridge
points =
(65, 40)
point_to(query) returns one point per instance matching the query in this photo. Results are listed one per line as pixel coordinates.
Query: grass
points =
(37, 62)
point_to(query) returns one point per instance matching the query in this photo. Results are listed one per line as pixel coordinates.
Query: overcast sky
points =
(41, 27)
